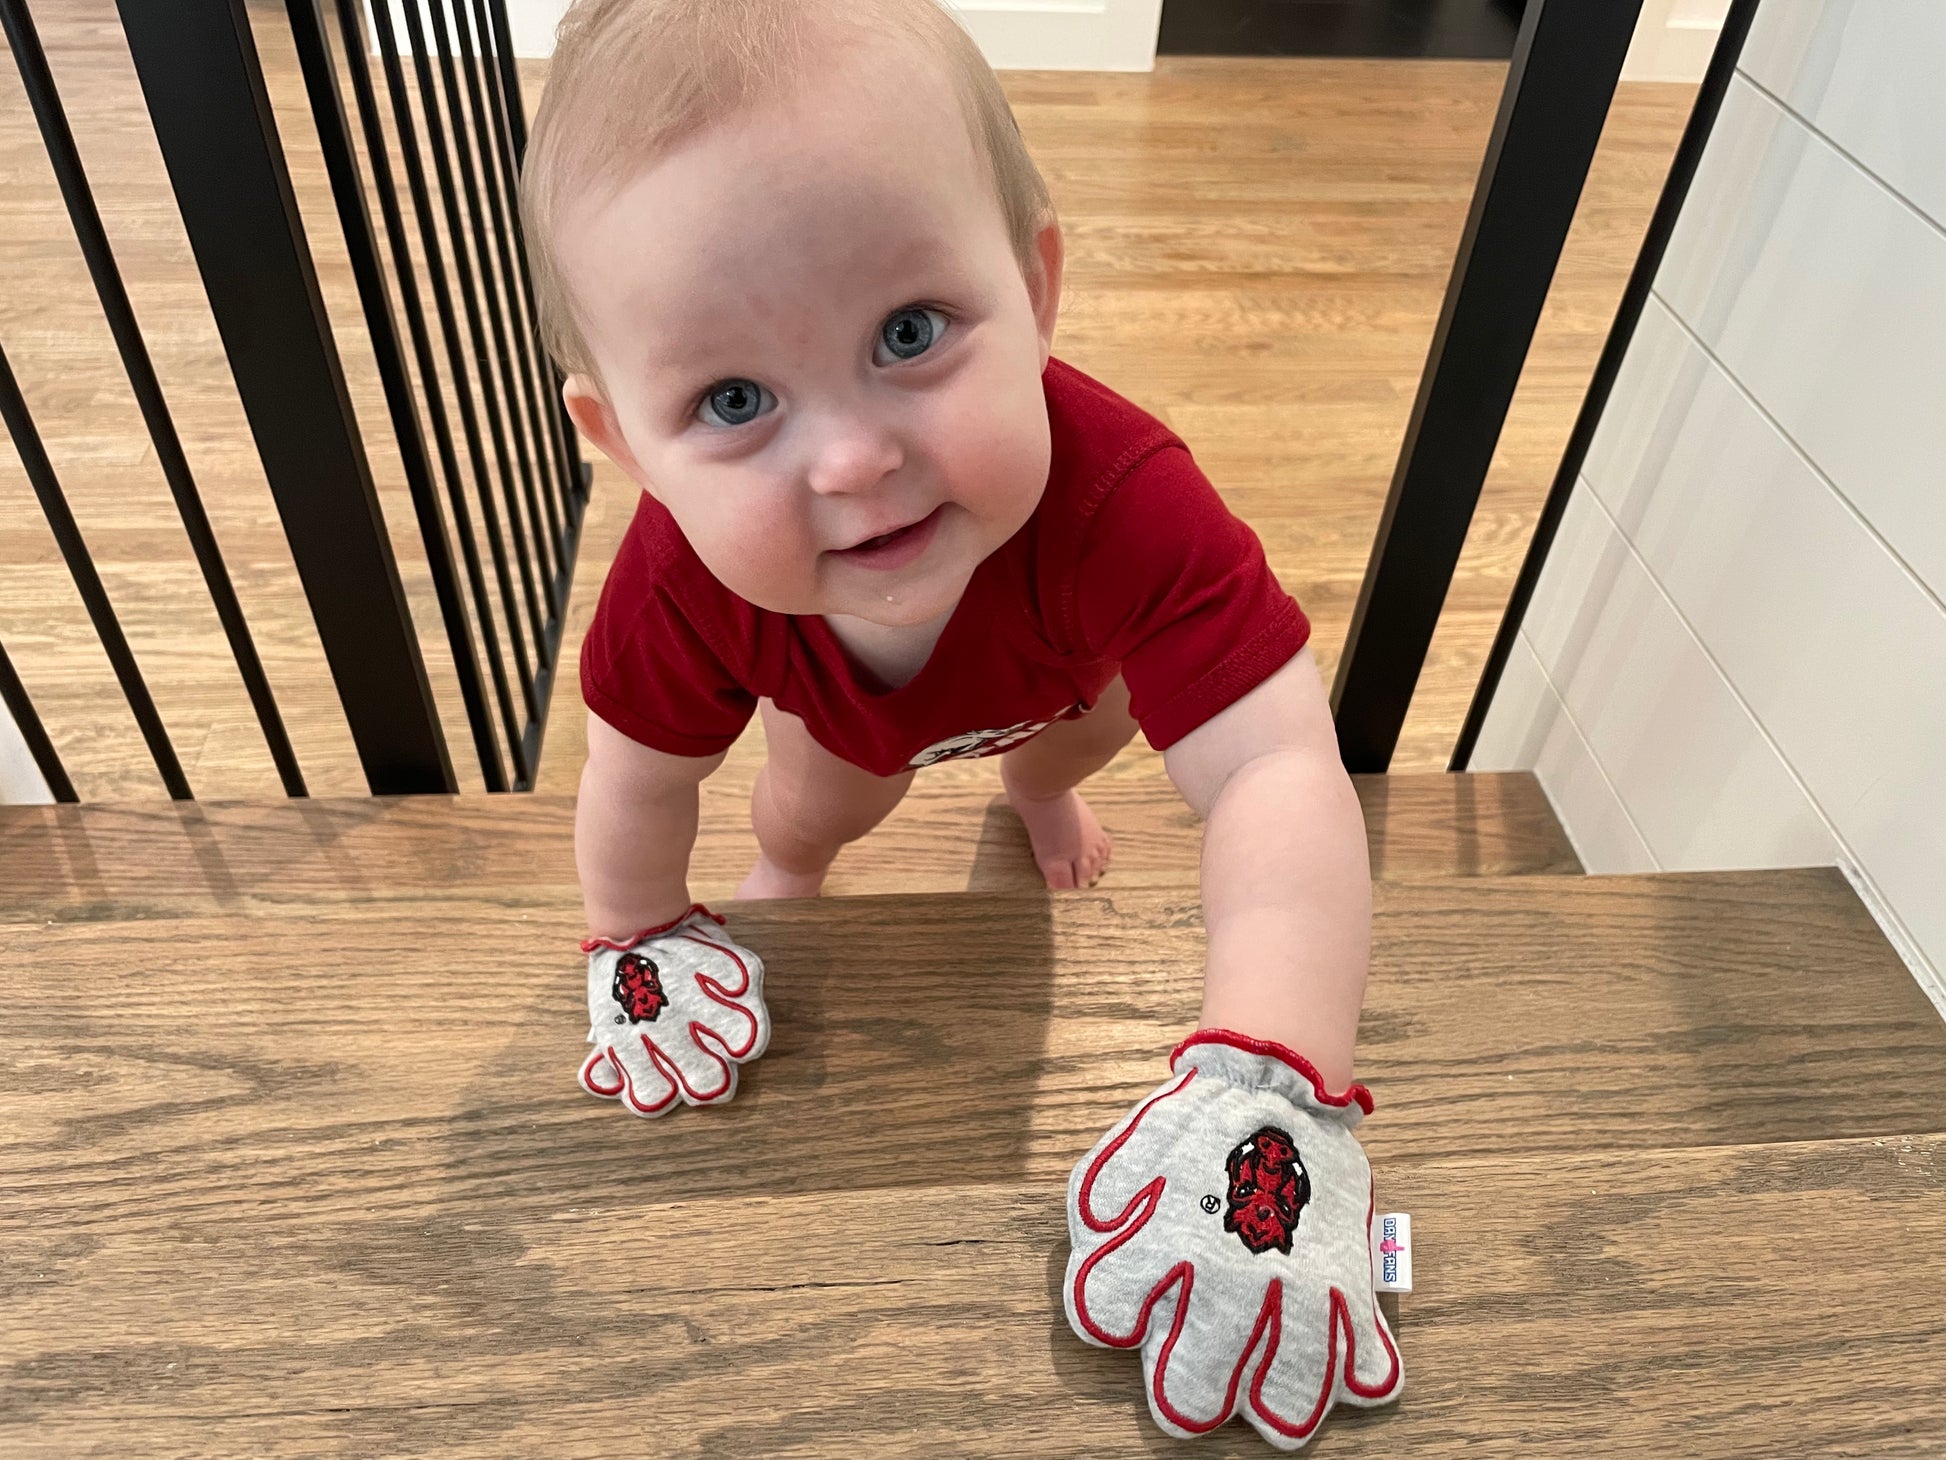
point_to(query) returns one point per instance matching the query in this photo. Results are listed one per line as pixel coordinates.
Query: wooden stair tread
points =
(143, 859)
(333, 1168)
(1720, 1301)
(1507, 1016)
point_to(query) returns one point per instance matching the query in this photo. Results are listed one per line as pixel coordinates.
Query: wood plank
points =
(231, 1061)
(148, 859)
(324, 1185)
(1716, 1302)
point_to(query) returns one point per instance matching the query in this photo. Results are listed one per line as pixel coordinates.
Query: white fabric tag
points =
(1392, 1253)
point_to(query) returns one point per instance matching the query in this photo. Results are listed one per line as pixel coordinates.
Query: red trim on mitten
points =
(622, 1087)
(590, 945)
(1250, 1044)
(1343, 1332)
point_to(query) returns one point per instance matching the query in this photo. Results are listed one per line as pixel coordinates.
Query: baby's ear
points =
(595, 419)
(1044, 280)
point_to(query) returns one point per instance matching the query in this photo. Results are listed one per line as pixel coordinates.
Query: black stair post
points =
(200, 76)
(1565, 67)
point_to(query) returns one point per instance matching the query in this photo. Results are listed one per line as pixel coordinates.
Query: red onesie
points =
(1131, 564)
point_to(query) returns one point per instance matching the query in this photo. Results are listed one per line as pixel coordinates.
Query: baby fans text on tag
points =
(1392, 1253)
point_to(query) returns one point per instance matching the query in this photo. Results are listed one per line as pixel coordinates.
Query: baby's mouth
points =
(894, 548)
(882, 540)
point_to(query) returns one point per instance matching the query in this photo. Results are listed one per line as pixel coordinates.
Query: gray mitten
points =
(672, 1012)
(1224, 1226)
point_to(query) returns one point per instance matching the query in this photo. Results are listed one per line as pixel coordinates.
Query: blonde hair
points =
(632, 78)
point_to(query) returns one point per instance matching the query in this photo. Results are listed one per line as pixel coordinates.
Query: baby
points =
(803, 278)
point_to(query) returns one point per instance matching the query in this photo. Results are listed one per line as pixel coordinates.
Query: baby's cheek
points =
(993, 447)
(761, 552)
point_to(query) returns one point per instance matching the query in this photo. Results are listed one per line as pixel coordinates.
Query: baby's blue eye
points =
(909, 333)
(734, 403)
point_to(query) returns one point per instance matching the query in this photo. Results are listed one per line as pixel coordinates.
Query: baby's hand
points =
(674, 1010)
(1224, 1225)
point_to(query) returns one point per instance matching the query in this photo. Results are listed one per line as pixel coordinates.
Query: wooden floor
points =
(1257, 251)
(318, 1180)
(161, 859)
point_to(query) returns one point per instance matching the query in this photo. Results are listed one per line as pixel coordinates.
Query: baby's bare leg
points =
(1070, 846)
(806, 805)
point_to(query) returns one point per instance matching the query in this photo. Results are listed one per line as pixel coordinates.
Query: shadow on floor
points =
(904, 1053)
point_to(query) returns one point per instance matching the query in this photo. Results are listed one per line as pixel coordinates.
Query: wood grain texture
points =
(148, 859)
(1257, 250)
(1711, 1303)
(1034, 1019)
(324, 1184)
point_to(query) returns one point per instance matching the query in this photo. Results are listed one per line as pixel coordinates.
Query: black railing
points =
(1565, 68)
(1635, 296)
(521, 479)
(51, 118)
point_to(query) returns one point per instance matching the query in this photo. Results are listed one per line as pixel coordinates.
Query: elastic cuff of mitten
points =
(1249, 1044)
(622, 945)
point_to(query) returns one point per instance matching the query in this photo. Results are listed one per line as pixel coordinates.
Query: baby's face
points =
(817, 349)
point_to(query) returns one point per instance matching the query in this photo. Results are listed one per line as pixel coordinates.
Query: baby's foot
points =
(767, 879)
(1070, 847)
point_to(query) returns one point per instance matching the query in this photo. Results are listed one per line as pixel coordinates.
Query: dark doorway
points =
(1479, 29)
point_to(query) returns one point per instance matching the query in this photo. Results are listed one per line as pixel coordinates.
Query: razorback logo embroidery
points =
(1268, 1189)
(975, 743)
(638, 988)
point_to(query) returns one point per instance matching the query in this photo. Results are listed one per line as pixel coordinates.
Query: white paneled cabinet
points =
(1701, 782)
(1825, 295)
(1837, 649)
(1868, 74)
(1530, 729)
(1740, 636)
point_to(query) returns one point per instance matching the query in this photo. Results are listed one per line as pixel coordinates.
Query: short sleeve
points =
(649, 670)
(1175, 587)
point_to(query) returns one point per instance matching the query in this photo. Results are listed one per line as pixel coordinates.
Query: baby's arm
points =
(1263, 1095)
(1287, 890)
(634, 828)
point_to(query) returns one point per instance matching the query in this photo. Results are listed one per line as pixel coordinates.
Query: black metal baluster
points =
(499, 107)
(503, 45)
(511, 279)
(13, 694)
(200, 75)
(402, 266)
(81, 567)
(507, 72)
(1635, 295)
(1559, 84)
(348, 191)
(571, 485)
(491, 290)
(31, 61)
(470, 290)
(415, 176)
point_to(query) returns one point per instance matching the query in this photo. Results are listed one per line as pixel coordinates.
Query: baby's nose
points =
(855, 459)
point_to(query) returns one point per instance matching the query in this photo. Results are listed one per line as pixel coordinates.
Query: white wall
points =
(1737, 653)
(1674, 39)
(20, 778)
(1061, 35)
